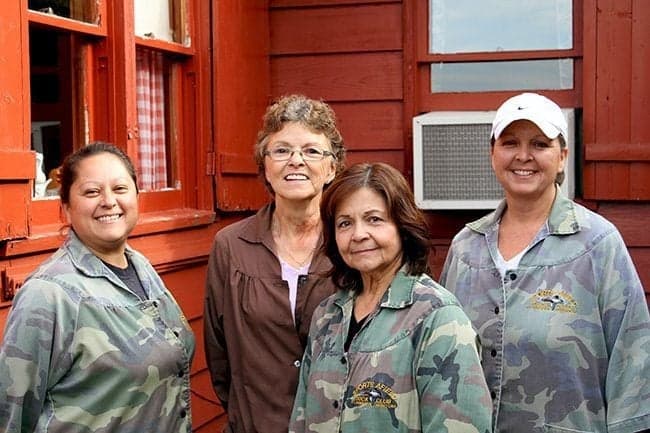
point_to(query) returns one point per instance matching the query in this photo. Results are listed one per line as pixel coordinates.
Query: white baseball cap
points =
(540, 110)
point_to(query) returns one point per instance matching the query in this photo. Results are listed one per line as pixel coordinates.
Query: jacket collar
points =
(562, 220)
(399, 293)
(258, 230)
(89, 264)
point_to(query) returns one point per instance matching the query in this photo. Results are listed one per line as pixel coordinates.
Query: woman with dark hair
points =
(94, 341)
(391, 351)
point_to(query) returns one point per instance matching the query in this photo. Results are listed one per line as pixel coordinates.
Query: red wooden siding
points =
(616, 131)
(348, 29)
(340, 77)
(376, 125)
(348, 53)
(617, 94)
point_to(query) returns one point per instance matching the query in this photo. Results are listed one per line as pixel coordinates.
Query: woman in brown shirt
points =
(265, 274)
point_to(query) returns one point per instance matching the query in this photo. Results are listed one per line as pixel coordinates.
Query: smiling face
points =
(296, 179)
(366, 236)
(526, 162)
(102, 207)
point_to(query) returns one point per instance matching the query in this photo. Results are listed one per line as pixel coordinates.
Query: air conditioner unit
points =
(451, 160)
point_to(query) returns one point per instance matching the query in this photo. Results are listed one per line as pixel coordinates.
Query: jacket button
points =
(493, 394)
(180, 373)
(335, 404)
(513, 276)
(496, 310)
(296, 363)
(343, 361)
(493, 353)
(183, 413)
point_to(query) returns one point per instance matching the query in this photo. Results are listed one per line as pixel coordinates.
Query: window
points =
(481, 52)
(80, 10)
(162, 19)
(157, 100)
(125, 72)
(465, 26)
(58, 91)
(502, 75)
(153, 118)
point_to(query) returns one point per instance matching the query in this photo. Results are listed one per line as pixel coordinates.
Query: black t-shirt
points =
(129, 277)
(354, 328)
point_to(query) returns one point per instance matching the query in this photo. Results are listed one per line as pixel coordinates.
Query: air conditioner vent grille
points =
(455, 163)
(451, 160)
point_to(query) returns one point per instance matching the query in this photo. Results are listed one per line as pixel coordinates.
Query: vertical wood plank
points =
(612, 180)
(613, 68)
(640, 79)
(241, 86)
(14, 77)
(640, 181)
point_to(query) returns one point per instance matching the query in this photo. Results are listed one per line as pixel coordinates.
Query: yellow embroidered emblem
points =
(371, 393)
(553, 300)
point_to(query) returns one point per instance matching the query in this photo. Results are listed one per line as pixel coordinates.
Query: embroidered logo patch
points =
(553, 300)
(372, 393)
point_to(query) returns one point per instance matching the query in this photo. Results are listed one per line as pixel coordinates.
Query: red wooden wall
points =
(616, 129)
(349, 54)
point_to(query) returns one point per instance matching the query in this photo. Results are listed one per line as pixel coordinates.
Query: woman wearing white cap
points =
(552, 291)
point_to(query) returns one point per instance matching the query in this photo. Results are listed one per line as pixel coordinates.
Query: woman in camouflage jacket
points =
(94, 341)
(552, 290)
(391, 351)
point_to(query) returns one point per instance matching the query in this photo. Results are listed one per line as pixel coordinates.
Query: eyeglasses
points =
(283, 153)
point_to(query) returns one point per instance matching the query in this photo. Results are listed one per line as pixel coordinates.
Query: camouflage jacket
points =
(412, 367)
(566, 335)
(82, 354)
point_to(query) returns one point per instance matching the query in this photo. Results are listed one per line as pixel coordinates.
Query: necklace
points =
(301, 260)
(285, 253)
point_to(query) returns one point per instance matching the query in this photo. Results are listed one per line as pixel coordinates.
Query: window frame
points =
(425, 100)
(112, 116)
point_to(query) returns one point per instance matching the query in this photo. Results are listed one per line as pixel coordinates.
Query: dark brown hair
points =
(410, 221)
(68, 172)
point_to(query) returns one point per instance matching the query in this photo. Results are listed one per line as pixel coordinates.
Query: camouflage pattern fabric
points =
(566, 335)
(412, 367)
(82, 354)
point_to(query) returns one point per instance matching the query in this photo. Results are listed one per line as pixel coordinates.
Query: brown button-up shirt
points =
(252, 345)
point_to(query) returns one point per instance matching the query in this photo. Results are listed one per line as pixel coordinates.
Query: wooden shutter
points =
(17, 162)
(616, 99)
(241, 93)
